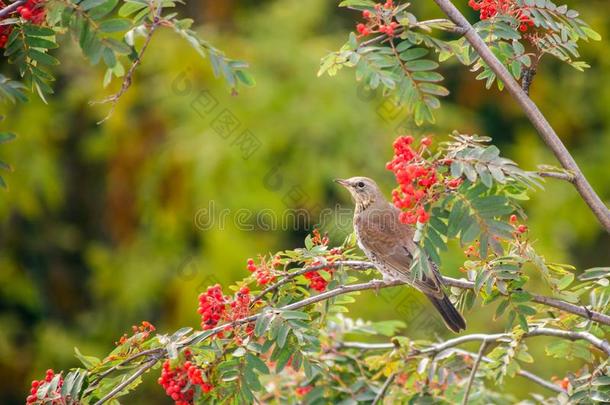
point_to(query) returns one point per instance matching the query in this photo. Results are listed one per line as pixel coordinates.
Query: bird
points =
(389, 245)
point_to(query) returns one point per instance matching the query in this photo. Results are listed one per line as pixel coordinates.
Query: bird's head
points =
(364, 191)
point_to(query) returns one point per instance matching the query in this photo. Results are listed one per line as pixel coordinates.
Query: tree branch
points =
(473, 372)
(144, 353)
(460, 283)
(488, 338)
(541, 299)
(384, 388)
(114, 99)
(128, 381)
(547, 133)
(11, 8)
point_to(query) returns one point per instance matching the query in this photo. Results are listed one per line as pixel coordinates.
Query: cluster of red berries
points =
(301, 391)
(316, 281)
(240, 307)
(379, 21)
(32, 10)
(142, 331)
(51, 397)
(262, 272)
(179, 382)
(212, 306)
(519, 228)
(491, 8)
(416, 178)
(5, 30)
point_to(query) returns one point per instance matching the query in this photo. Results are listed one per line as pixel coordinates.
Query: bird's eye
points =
(360, 184)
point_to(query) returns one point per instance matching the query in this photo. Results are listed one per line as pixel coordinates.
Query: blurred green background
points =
(107, 225)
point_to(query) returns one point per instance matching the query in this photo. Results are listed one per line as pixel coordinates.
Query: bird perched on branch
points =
(389, 244)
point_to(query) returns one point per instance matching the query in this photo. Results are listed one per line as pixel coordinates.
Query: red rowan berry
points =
(25, 13)
(301, 391)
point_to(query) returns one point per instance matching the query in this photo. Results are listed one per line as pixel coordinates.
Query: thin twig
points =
(523, 373)
(495, 337)
(354, 264)
(128, 381)
(541, 299)
(11, 8)
(557, 175)
(114, 99)
(384, 389)
(547, 133)
(538, 380)
(473, 372)
(383, 37)
(601, 344)
(128, 360)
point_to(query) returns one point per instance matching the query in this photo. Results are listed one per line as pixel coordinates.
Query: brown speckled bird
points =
(388, 243)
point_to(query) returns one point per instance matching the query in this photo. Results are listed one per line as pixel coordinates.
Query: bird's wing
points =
(392, 243)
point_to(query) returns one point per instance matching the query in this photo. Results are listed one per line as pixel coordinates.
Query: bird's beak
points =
(344, 183)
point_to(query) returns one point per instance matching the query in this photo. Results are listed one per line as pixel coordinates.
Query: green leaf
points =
(282, 359)
(471, 233)
(283, 334)
(37, 30)
(591, 33)
(262, 323)
(420, 65)
(42, 57)
(589, 274)
(414, 53)
(37, 42)
(256, 363)
(88, 361)
(6, 137)
(565, 281)
(526, 310)
(89, 4)
(115, 25)
(128, 9)
(295, 315)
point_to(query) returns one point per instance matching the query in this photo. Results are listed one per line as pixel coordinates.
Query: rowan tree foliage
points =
(111, 33)
(282, 333)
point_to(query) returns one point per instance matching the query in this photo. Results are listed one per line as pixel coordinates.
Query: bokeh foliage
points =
(102, 225)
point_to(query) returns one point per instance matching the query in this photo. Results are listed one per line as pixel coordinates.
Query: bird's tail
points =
(453, 319)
